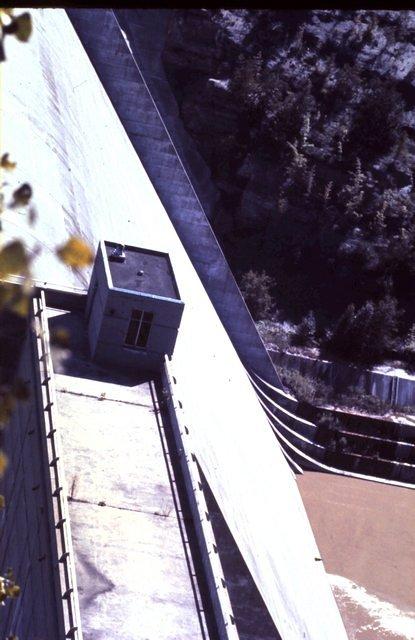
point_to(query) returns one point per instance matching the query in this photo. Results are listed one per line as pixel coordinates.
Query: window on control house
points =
(138, 329)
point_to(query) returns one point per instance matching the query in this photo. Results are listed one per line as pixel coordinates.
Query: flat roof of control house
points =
(142, 270)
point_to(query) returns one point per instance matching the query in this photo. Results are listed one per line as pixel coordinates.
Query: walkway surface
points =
(133, 575)
(366, 535)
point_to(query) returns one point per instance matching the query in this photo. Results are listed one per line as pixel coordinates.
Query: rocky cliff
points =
(306, 120)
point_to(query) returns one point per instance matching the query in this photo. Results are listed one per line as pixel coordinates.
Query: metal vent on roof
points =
(118, 254)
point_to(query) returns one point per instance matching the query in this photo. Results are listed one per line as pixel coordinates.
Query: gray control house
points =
(133, 307)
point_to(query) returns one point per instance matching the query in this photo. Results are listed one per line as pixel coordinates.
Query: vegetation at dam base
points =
(313, 391)
(357, 431)
(305, 119)
(367, 335)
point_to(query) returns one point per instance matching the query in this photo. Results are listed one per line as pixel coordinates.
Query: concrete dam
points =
(151, 501)
(146, 107)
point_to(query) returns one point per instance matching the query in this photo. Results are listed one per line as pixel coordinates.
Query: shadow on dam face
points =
(252, 618)
(73, 359)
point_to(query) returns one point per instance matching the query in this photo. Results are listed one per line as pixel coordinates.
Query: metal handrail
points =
(65, 555)
(41, 284)
(204, 531)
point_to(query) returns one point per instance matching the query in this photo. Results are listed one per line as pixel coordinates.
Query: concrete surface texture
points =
(366, 535)
(60, 126)
(252, 618)
(145, 271)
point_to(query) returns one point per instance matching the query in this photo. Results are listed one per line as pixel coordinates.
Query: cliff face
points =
(306, 120)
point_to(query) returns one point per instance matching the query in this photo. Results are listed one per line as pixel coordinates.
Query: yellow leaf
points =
(32, 216)
(60, 337)
(23, 27)
(27, 284)
(21, 306)
(6, 293)
(2, 502)
(13, 591)
(7, 404)
(3, 463)
(22, 196)
(13, 259)
(17, 297)
(6, 163)
(75, 253)
(21, 389)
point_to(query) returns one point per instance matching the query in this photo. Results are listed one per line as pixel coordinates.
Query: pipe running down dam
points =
(173, 508)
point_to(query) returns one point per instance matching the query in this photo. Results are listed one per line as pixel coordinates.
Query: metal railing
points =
(206, 538)
(64, 555)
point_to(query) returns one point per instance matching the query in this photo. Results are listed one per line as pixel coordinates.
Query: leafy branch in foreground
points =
(16, 281)
(19, 26)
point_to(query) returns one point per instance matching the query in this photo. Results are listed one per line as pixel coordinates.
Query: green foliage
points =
(305, 388)
(409, 347)
(328, 432)
(269, 103)
(345, 87)
(367, 333)
(248, 83)
(354, 398)
(323, 146)
(255, 288)
(378, 121)
(409, 344)
(302, 387)
(328, 421)
(331, 437)
(284, 117)
(352, 194)
(305, 335)
(315, 392)
(352, 225)
(273, 334)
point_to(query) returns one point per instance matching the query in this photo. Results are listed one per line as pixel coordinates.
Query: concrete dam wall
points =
(116, 60)
(398, 391)
(88, 179)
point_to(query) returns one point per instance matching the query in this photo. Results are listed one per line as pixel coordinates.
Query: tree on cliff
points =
(322, 148)
(368, 332)
(255, 288)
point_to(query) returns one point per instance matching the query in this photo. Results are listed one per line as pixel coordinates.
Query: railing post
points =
(66, 577)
